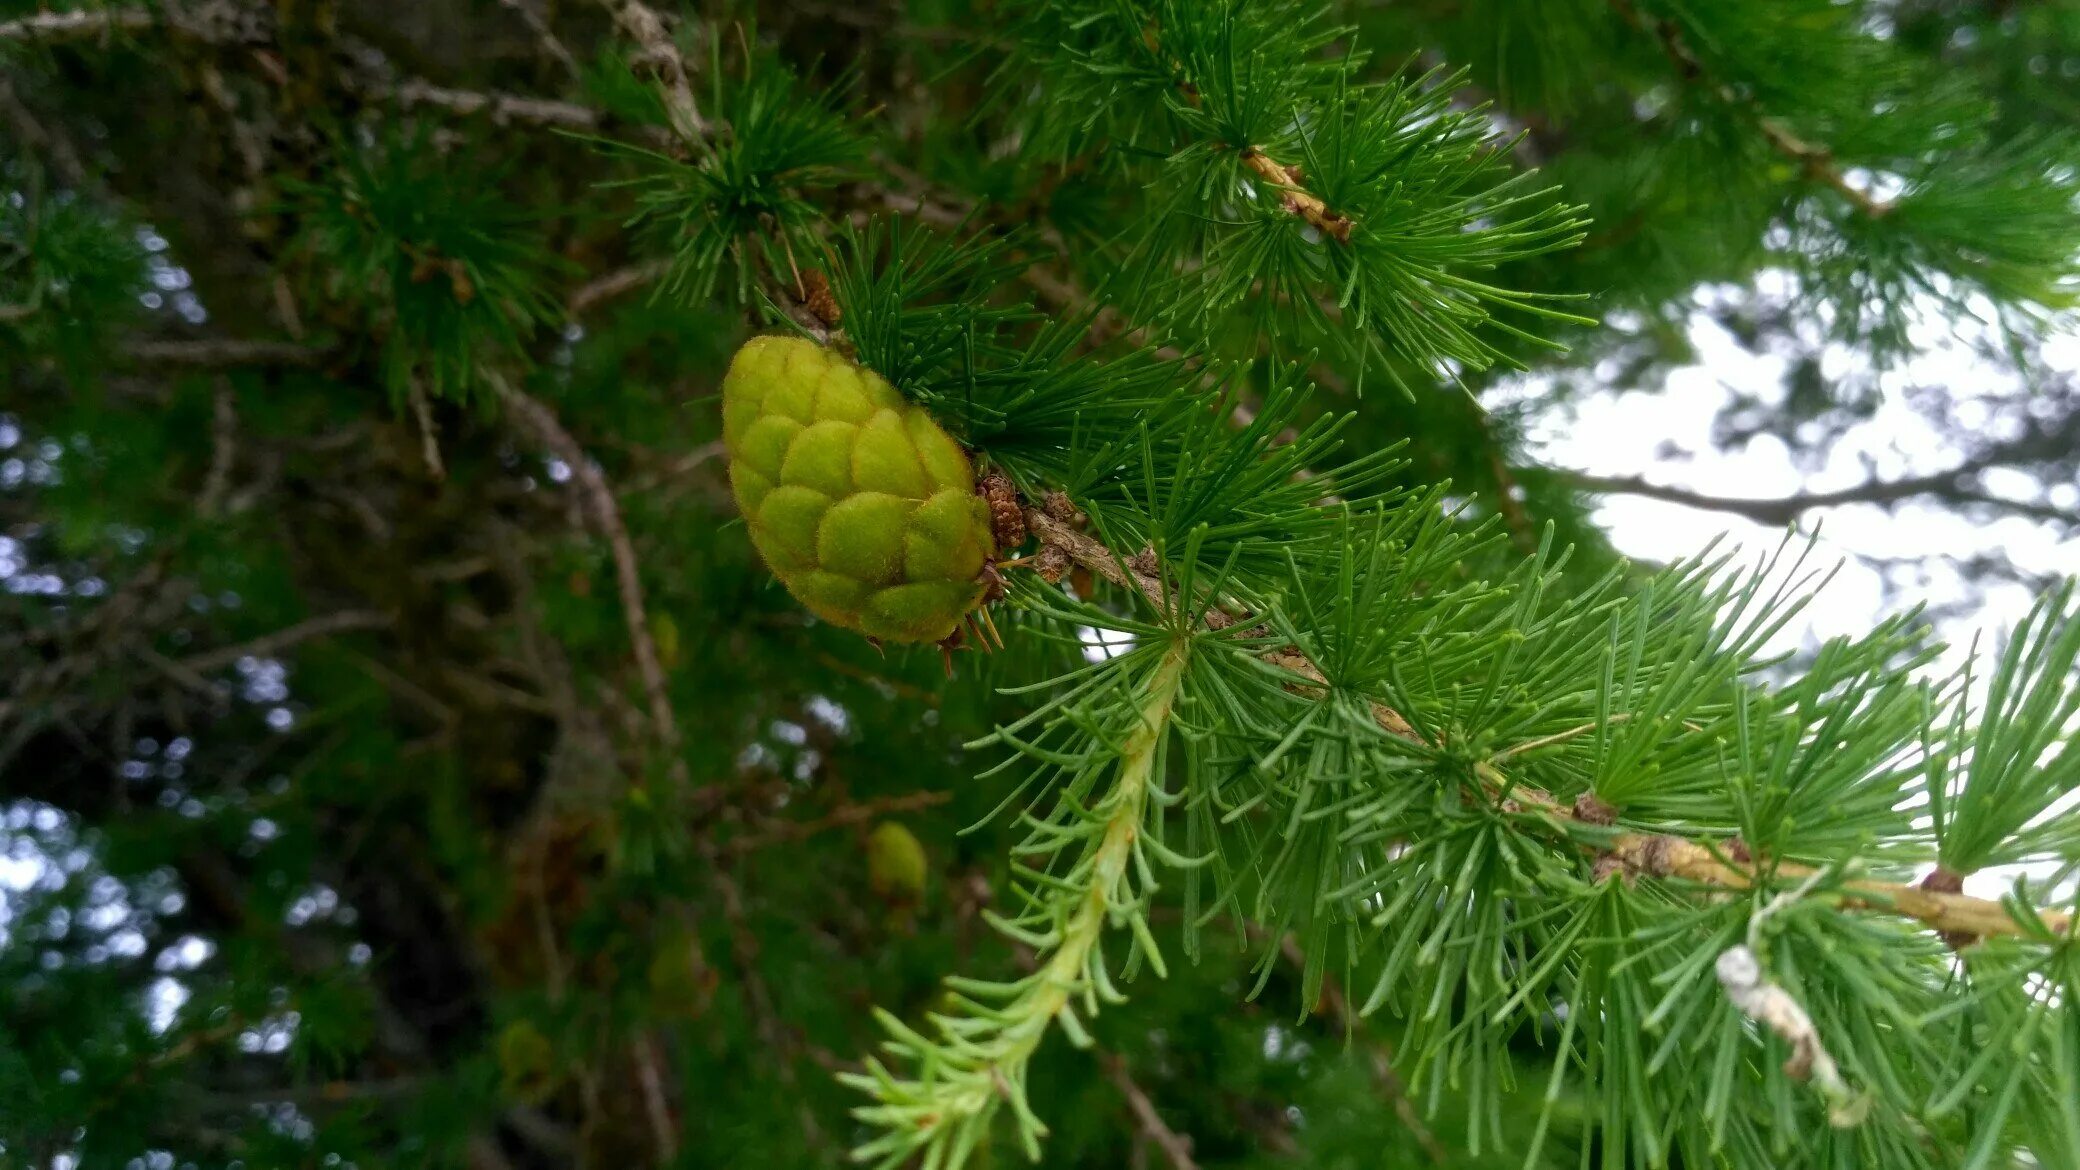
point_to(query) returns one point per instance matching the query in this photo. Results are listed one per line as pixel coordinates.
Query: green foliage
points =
(1469, 918)
(448, 270)
(749, 198)
(1336, 792)
(1989, 796)
(1189, 94)
(1798, 135)
(1006, 377)
(68, 269)
(1103, 779)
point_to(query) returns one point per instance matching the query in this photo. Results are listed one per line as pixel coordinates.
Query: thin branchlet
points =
(978, 1062)
(1654, 854)
(1815, 162)
(1296, 198)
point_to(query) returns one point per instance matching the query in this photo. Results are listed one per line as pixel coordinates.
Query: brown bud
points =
(1052, 563)
(464, 288)
(1946, 881)
(1006, 515)
(1591, 809)
(819, 298)
(1943, 881)
(1657, 858)
(1606, 867)
(1007, 524)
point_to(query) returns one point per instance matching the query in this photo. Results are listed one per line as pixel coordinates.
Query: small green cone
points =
(896, 865)
(860, 503)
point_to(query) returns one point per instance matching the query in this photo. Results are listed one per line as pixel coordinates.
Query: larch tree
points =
(960, 582)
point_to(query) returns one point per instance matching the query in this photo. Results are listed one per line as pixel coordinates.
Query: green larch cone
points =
(896, 865)
(526, 1062)
(861, 504)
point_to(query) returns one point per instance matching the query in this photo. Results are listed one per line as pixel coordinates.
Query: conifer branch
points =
(502, 107)
(1297, 198)
(536, 416)
(661, 54)
(83, 24)
(1958, 915)
(1294, 195)
(1816, 162)
(1508, 504)
(228, 24)
(429, 430)
(1111, 790)
(610, 285)
(544, 36)
(64, 157)
(1056, 532)
(223, 449)
(215, 22)
(325, 625)
(982, 1062)
(1177, 1148)
(1664, 855)
(1953, 486)
(224, 352)
(1652, 854)
(664, 1130)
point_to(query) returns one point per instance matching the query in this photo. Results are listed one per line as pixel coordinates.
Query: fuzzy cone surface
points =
(864, 507)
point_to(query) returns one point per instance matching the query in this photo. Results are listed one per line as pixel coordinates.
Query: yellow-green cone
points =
(526, 1062)
(861, 504)
(896, 865)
